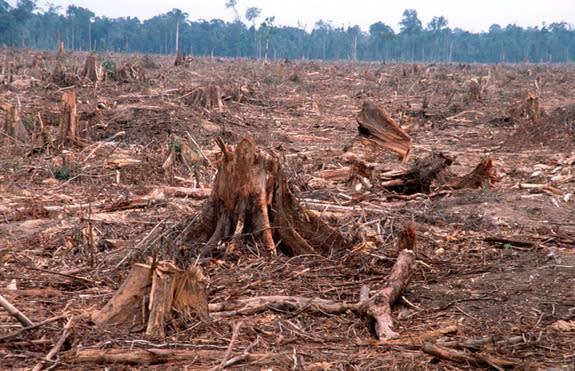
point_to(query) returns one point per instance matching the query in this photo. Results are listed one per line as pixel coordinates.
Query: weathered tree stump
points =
(13, 125)
(68, 130)
(168, 290)
(209, 97)
(377, 129)
(250, 197)
(91, 70)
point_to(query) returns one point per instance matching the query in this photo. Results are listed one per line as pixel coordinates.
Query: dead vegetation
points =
(290, 215)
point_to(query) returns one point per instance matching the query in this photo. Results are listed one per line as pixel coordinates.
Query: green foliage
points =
(61, 173)
(176, 146)
(26, 26)
(109, 67)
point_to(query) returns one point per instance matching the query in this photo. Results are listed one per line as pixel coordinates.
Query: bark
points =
(251, 197)
(378, 129)
(161, 296)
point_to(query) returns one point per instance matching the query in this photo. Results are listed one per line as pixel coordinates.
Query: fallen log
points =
(251, 197)
(378, 130)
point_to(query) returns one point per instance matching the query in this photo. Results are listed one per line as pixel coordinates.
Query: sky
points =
(469, 15)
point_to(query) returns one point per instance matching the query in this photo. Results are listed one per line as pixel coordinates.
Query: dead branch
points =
(15, 312)
(57, 346)
(154, 355)
(379, 306)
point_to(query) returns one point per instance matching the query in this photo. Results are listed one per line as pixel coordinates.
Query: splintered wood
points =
(168, 290)
(68, 132)
(378, 130)
(251, 197)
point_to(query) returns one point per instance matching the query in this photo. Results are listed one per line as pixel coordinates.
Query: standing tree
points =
(232, 4)
(253, 13)
(410, 29)
(178, 15)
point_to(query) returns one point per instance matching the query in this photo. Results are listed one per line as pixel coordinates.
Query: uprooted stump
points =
(250, 198)
(377, 130)
(433, 171)
(150, 296)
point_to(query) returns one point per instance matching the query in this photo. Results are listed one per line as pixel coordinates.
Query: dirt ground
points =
(495, 265)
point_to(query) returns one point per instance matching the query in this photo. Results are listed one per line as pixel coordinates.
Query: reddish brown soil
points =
(517, 288)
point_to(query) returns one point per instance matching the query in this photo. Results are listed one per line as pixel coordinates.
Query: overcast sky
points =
(470, 15)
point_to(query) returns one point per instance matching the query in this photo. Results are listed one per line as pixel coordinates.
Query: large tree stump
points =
(377, 129)
(250, 197)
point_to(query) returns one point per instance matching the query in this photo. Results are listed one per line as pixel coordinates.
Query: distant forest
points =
(27, 26)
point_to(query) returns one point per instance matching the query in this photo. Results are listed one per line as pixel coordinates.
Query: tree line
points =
(27, 26)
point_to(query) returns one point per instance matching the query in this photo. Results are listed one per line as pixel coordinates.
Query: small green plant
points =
(61, 173)
(175, 146)
(507, 246)
(485, 191)
(109, 67)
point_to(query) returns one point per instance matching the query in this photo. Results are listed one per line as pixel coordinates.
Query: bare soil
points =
(498, 263)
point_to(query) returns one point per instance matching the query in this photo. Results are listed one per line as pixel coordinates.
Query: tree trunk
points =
(250, 197)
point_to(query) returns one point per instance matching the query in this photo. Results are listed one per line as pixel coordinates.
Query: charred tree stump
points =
(251, 197)
(378, 129)
(91, 69)
(419, 178)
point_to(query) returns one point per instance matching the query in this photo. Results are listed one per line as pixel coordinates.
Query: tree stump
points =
(13, 125)
(378, 130)
(151, 294)
(250, 197)
(209, 97)
(91, 69)
(68, 130)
